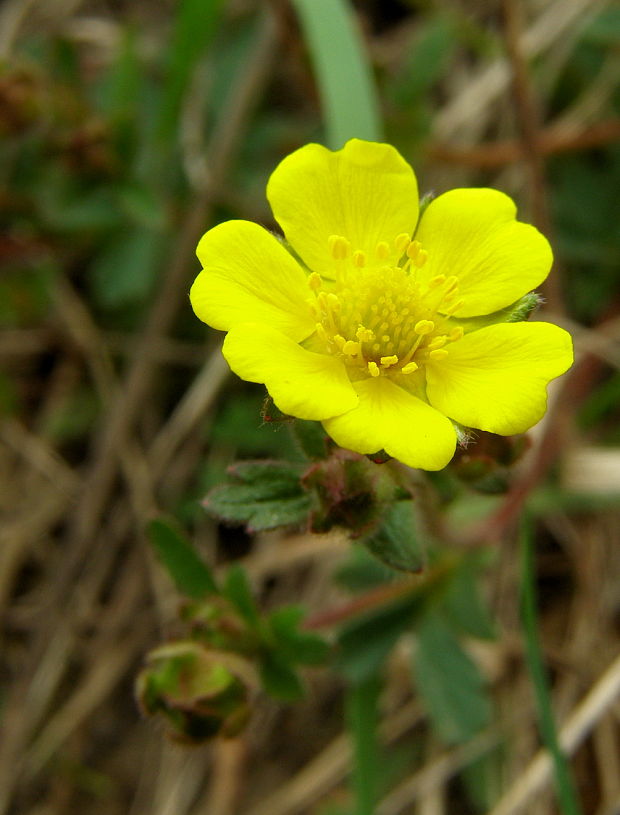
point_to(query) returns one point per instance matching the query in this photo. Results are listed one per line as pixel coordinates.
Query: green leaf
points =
(464, 604)
(279, 679)
(362, 571)
(270, 495)
(397, 541)
(237, 589)
(433, 44)
(366, 642)
(294, 645)
(343, 72)
(449, 682)
(190, 574)
(362, 712)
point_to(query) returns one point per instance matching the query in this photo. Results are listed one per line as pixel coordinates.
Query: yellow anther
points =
(359, 258)
(424, 327)
(413, 249)
(385, 338)
(401, 242)
(437, 281)
(373, 368)
(364, 334)
(438, 342)
(409, 368)
(387, 361)
(314, 307)
(457, 333)
(338, 246)
(339, 341)
(333, 302)
(321, 332)
(351, 348)
(383, 250)
(314, 281)
(420, 259)
(452, 283)
(438, 353)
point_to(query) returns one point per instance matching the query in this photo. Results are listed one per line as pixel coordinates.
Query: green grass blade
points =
(567, 796)
(362, 717)
(343, 72)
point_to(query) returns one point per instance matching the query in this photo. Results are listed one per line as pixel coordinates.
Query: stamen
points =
(359, 258)
(437, 354)
(364, 334)
(424, 327)
(401, 242)
(321, 332)
(333, 301)
(409, 368)
(436, 281)
(457, 333)
(339, 341)
(438, 342)
(383, 250)
(373, 368)
(413, 249)
(387, 361)
(314, 281)
(420, 259)
(450, 311)
(351, 348)
(338, 246)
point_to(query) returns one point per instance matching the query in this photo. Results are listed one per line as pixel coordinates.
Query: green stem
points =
(567, 796)
(362, 716)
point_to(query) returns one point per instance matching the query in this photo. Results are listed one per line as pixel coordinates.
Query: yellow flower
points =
(369, 332)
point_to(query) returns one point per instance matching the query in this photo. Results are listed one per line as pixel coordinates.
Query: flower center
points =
(377, 315)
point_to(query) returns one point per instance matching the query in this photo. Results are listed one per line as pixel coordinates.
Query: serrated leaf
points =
(270, 495)
(397, 541)
(294, 645)
(279, 679)
(190, 574)
(449, 682)
(237, 589)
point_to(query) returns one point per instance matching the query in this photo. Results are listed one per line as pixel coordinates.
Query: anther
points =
(455, 307)
(351, 348)
(373, 368)
(424, 327)
(314, 281)
(457, 333)
(452, 283)
(409, 368)
(383, 250)
(359, 258)
(437, 281)
(438, 353)
(438, 342)
(420, 259)
(333, 301)
(413, 249)
(387, 361)
(401, 242)
(364, 334)
(338, 246)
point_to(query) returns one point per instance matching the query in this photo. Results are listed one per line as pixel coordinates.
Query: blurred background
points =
(127, 130)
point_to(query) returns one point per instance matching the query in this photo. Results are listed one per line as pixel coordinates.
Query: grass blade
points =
(567, 796)
(362, 716)
(343, 72)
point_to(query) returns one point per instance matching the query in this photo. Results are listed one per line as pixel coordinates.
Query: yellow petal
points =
(473, 234)
(495, 379)
(366, 193)
(391, 419)
(301, 383)
(249, 276)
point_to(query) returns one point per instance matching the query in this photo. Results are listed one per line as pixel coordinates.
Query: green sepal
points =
(514, 313)
(311, 438)
(295, 645)
(397, 541)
